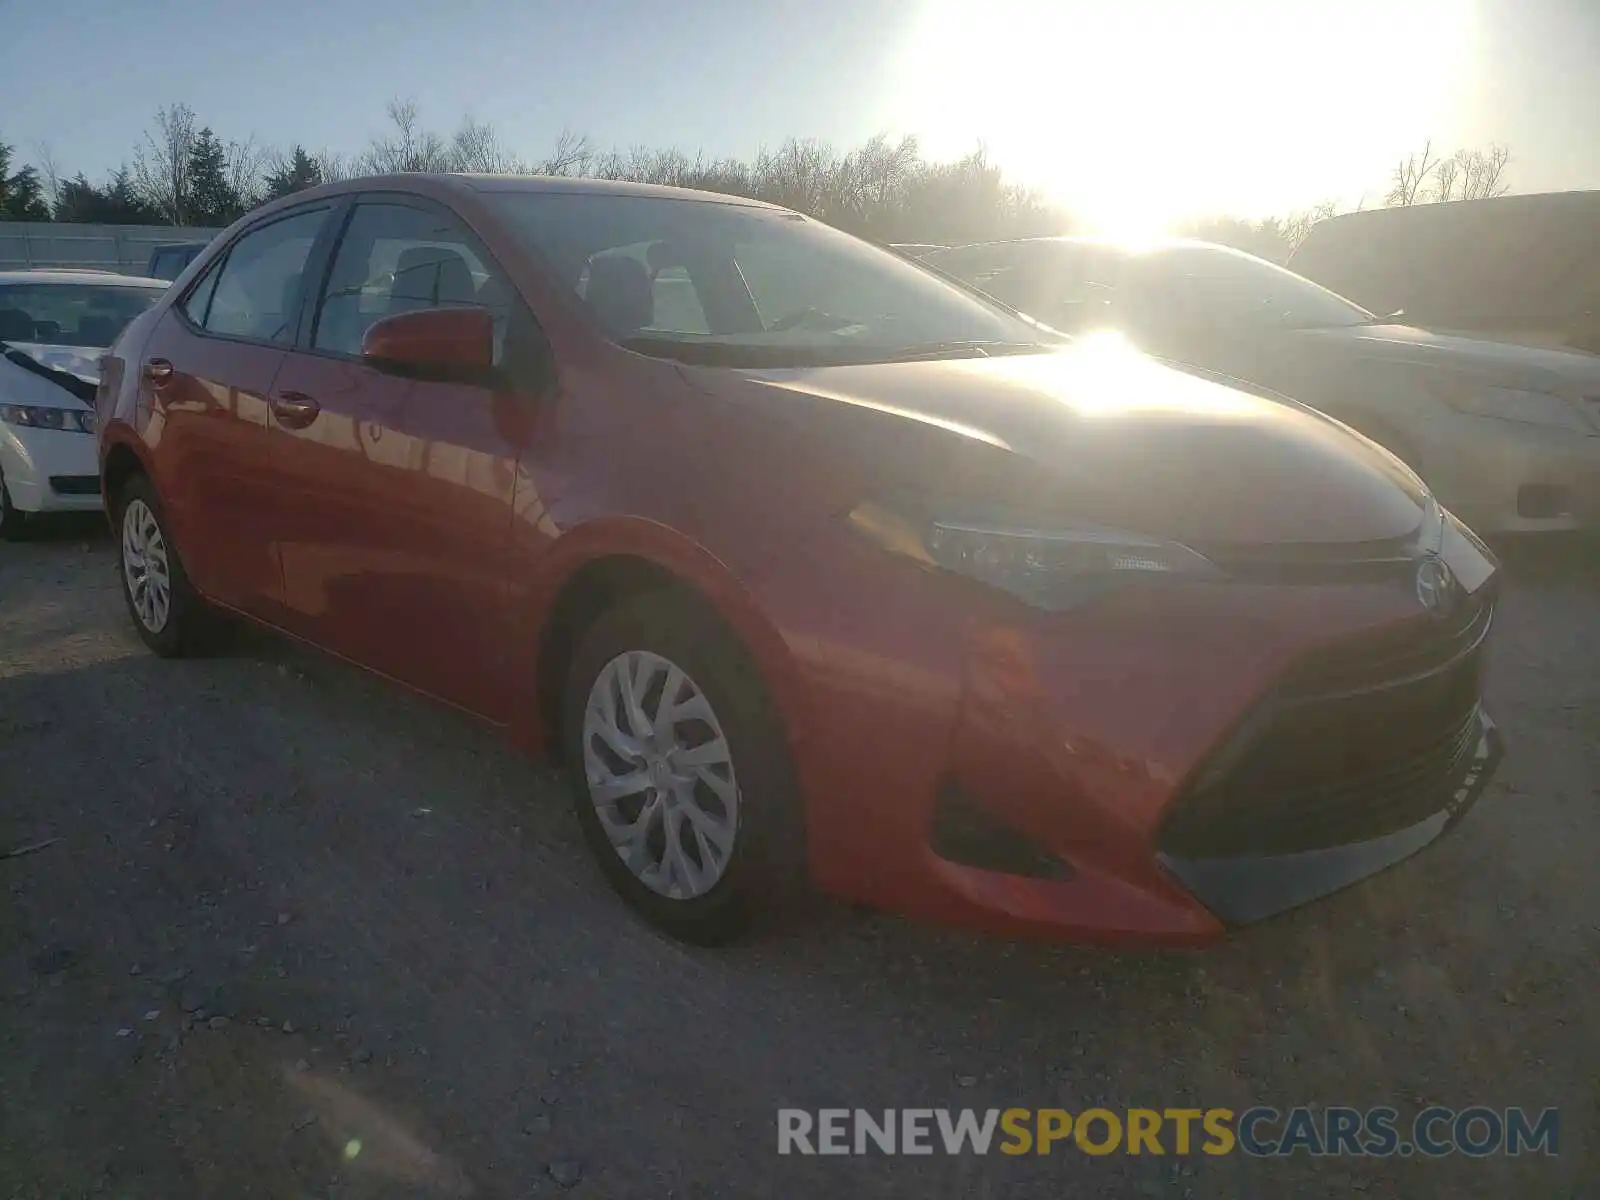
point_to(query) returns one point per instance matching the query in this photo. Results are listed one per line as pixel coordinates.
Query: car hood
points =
(1502, 364)
(1121, 438)
(24, 379)
(82, 361)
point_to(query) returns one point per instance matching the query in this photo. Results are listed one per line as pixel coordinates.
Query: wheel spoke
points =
(667, 706)
(638, 724)
(621, 744)
(714, 752)
(608, 791)
(706, 826)
(724, 789)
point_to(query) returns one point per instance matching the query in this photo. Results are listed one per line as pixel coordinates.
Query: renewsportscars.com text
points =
(1260, 1132)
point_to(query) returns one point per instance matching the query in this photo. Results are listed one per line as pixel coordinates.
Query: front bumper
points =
(49, 470)
(1245, 889)
(1503, 477)
(968, 762)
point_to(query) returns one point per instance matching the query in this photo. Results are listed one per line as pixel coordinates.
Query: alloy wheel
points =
(660, 775)
(145, 567)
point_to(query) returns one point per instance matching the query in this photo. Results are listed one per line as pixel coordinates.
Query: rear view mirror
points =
(454, 343)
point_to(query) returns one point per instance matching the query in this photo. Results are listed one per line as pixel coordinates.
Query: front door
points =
(397, 492)
(207, 375)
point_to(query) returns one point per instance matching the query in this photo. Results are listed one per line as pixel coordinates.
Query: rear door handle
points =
(158, 371)
(294, 410)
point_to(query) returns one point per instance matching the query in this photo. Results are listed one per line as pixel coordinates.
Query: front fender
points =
(693, 567)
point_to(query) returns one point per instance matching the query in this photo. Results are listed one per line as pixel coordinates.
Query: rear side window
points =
(395, 258)
(257, 292)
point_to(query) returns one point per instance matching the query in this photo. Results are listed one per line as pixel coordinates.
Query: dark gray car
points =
(1508, 436)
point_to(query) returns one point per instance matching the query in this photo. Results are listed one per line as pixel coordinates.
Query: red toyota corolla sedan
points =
(805, 559)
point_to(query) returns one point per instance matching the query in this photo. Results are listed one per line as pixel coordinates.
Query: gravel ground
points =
(292, 909)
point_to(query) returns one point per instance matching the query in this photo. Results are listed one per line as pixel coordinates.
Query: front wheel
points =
(682, 778)
(167, 612)
(13, 521)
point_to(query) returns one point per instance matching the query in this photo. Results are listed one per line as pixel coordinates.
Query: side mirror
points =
(439, 343)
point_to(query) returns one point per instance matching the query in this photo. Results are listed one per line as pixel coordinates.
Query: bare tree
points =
(333, 166)
(476, 147)
(1411, 176)
(573, 155)
(1483, 172)
(1473, 174)
(247, 165)
(161, 163)
(407, 149)
(1445, 177)
(49, 171)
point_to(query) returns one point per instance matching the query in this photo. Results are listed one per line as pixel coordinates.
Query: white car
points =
(54, 325)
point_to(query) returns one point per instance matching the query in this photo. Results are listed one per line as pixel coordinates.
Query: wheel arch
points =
(120, 461)
(598, 565)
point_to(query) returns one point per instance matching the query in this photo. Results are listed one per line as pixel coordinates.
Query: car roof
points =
(69, 275)
(1104, 243)
(428, 182)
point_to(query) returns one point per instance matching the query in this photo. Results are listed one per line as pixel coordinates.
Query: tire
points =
(144, 548)
(705, 894)
(13, 521)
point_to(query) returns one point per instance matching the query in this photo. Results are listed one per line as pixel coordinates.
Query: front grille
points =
(75, 485)
(1355, 742)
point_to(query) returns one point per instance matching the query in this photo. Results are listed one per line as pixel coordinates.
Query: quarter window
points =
(257, 294)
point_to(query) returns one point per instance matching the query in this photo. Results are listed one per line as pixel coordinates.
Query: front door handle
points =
(294, 410)
(158, 371)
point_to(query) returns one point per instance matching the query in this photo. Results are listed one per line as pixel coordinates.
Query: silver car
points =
(1507, 436)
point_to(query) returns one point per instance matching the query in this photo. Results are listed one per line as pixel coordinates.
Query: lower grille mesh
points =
(1350, 747)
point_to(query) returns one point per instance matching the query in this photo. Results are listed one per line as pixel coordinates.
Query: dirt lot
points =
(293, 909)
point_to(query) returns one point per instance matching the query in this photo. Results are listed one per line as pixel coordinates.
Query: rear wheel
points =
(167, 612)
(681, 772)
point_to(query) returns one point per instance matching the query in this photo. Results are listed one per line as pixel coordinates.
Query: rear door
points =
(397, 492)
(207, 379)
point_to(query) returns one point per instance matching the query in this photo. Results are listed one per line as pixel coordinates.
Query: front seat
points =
(15, 325)
(620, 293)
(431, 277)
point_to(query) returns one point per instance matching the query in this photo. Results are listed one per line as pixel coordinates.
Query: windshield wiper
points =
(970, 348)
(79, 387)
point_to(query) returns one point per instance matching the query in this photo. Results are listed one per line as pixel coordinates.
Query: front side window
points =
(395, 258)
(257, 294)
(733, 284)
(89, 315)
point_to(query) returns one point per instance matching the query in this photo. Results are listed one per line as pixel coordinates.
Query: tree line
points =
(183, 173)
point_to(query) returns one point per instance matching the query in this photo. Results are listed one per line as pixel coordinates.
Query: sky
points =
(1135, 113)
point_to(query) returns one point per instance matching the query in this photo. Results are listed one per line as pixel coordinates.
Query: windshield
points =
(735, 285)
(90, 315)
(1220, 287)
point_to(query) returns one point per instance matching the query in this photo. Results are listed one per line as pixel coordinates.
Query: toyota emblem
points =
(1436, 587)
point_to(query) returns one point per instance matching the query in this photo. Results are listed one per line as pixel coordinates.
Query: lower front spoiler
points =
(1242, 890)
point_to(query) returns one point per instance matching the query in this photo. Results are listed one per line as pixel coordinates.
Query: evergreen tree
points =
(212, 199)
(21, 194)
(299, 173)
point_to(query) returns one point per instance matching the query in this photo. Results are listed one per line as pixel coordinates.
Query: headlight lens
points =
(1511, 404)
(71, 420)
(1045, 564)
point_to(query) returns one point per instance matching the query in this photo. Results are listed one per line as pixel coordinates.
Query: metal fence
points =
(124, 248)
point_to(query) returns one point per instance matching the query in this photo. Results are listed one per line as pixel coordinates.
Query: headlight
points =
(72, 420)
(1510, 404)
(1047, 564)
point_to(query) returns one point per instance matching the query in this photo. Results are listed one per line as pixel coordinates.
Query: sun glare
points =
(1142, 113)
